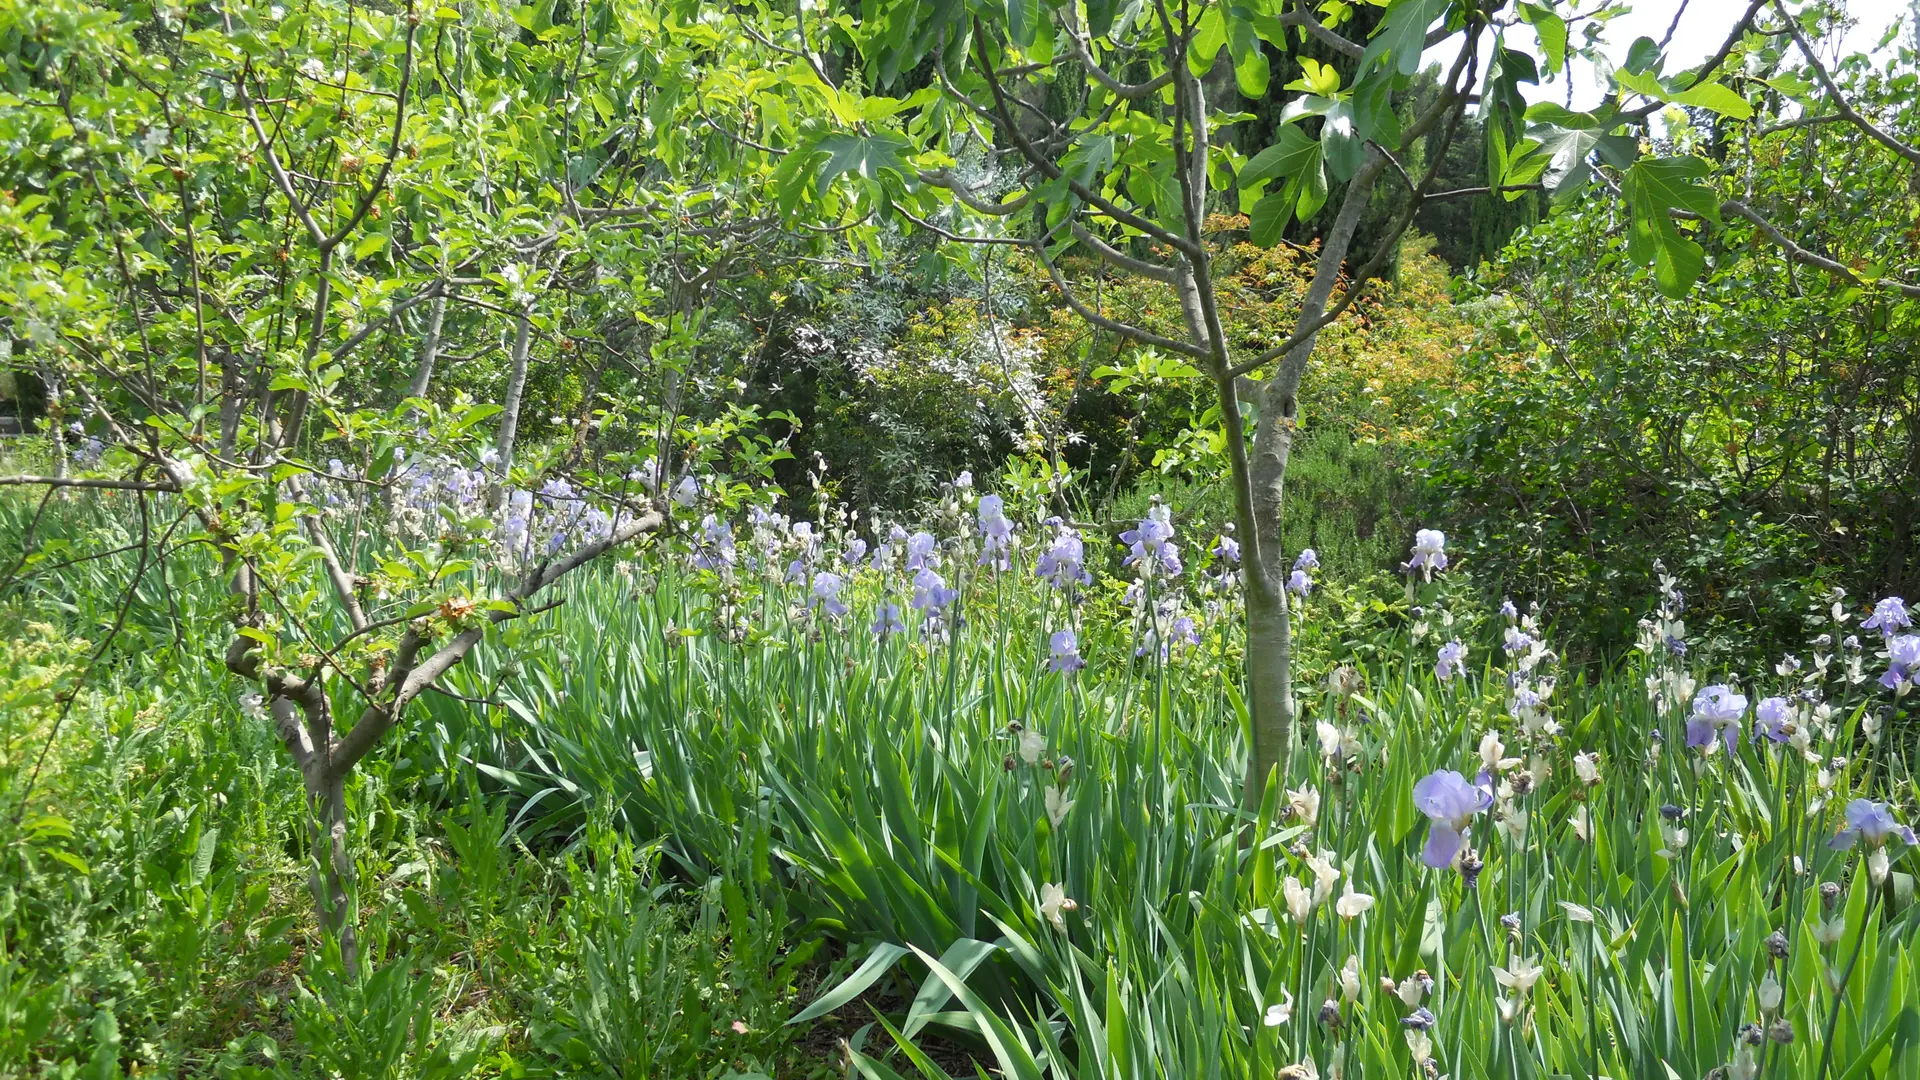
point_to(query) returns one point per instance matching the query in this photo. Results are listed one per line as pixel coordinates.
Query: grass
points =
(696, 801)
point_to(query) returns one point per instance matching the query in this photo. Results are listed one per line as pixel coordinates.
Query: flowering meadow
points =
(994, 757)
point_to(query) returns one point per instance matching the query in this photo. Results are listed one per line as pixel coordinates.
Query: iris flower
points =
(1451, 802)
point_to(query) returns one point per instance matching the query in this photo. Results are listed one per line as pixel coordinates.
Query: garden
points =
(911, 539)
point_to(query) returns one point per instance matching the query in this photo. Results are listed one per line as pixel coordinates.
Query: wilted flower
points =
(1064, 646)
(1299, 900)
(1305, 804)
(1717, 710)
(1451, 802)
(1413, 988)
(1057, 805)
(1280, 1011)
(1352, 904)
(1520, 977)
(1586, 766)
(1873, 822)
(1451, 662)
(1429, 552)
(1890, 616)
(1054, 904)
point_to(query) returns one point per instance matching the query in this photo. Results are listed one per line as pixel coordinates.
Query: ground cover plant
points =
(439, 643)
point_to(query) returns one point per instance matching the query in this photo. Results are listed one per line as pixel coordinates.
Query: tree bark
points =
(516, 390)
(430, 348)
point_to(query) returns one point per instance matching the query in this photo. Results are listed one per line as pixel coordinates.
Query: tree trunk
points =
(56, 418)
(430, 348)
(516, 389)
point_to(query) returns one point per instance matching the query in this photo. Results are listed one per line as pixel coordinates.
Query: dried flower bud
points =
(1777, 945)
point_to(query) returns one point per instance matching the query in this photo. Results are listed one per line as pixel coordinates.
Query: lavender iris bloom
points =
(1771, 719)
(1716, 711)
(855, 551)
(886, 620)
(996, 532)
(1451, 802)
(715, 547)
(1151, 545)
(826, 593)
(1516, 640)
(1508, 611)
(930, 592)
(1873, 822)
(1299, 583)
(1184, 631)
(1890, 616)
(1228, 549)
(1309, 560)
(1451, 662)
(1063, 563)
(1065, 647)
(920, 551)
(1903, 663)
(1429, 552)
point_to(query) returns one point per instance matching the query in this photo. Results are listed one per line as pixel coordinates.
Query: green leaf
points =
(1653, 188)
(1270, 217)
(1023, 17)
(1708, 95)
(962, 957)
(1552, 31)
(1641, 55)
(1293, 154)
(883, 957)
(1403, 34)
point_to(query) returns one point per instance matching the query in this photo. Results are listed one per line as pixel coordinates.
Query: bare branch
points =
(1802, 255)
(1126, 262)
(1840, 103)
(83, 482)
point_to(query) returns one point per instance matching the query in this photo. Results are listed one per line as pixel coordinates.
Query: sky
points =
(1703, 27)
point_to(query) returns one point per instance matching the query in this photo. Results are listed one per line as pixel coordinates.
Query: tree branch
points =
(1839, 99)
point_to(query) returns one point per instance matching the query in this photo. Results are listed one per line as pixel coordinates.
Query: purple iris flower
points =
(1184, 631)
(1063, 563)
(1716, 711)
(1516, 640)
(1873, 822)
(1228, 548)
(886, 620)
(1450, 801)
(1151, 545)
(930, 592)
(1309, 560)
(1065, 648)
(920, 551)
(1903, 663)
(826, 593)
(1771, 718)
(996, 532)
(1299, 584)
(1508, 611)
(1890, 616)
(855, 551)
(1452, 661)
